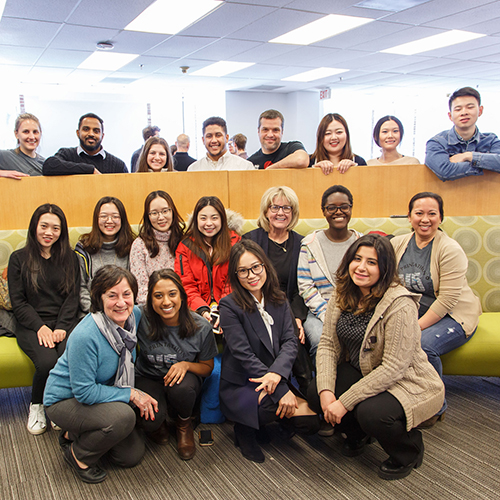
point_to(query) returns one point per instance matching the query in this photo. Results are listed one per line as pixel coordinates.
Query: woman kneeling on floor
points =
(90, 391)
(177, 350)
(373, 377)
(261, 347)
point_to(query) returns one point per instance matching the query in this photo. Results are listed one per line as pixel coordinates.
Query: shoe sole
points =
(36, 432)
(70, 463)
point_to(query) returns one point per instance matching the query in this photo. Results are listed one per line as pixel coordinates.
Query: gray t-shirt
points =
(14, 159)
(415, 273)
(156, 357)
(334, 252)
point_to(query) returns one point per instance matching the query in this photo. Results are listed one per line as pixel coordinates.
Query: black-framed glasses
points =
(287, 209)
(244, 272)
(155, 214)
(344, 208)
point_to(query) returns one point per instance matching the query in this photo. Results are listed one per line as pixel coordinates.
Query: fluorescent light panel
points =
(320, 29)
(221, 68)
(314, 74)
(433, 42)
(169, 17)
(2, 7)
(109, 61)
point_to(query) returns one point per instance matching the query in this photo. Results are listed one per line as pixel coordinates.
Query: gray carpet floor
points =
(462, 461)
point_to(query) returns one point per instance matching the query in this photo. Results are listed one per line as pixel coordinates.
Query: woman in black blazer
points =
(261, 347)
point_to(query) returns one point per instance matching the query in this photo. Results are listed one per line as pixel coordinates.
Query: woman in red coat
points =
(201, 259)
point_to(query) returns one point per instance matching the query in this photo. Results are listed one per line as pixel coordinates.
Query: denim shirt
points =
(439, 149)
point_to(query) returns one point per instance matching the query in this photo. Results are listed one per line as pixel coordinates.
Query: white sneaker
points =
(36, 419)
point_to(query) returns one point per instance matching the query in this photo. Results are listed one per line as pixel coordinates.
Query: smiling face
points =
(215, 141)
(28, 135)
(253, 282)
(90, 134)
(335, 138)
(109, 221)
(166, 301)
(338, 220)
(48, 231)
(118, 302)
(209, 222)
(425, 218)
(390, 135)
(157, 157)
(465, 111)
(364, 270)
(280, 220)
(160, 214)
(270, 134)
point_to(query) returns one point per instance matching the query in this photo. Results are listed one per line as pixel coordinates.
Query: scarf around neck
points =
(123, 342)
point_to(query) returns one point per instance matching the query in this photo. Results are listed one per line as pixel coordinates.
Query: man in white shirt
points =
(215, 139)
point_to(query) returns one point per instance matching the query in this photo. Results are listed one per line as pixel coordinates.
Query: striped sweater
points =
(316, 284)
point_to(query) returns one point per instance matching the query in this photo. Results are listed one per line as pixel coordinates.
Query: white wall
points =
(300, 109)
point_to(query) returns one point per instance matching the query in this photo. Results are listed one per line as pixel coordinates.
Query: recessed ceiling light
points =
(2, 7)
(389, 5)
(167, 17)
(433, 42)
(221, 68)
(320, 29)
(110, 61)
(314, 74)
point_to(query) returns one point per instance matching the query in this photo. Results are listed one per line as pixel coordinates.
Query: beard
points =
(90, 148)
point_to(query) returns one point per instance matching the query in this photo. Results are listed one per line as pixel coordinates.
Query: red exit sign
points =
(325, 94)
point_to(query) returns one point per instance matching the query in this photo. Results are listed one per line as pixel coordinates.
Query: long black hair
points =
(271, 288)
(61, 252)
(187, 324)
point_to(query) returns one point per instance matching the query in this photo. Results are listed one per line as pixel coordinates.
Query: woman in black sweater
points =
(44, 281)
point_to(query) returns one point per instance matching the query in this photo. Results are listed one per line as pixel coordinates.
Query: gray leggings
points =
(98, 429)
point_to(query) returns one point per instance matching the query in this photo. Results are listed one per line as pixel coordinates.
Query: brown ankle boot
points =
(185, 438)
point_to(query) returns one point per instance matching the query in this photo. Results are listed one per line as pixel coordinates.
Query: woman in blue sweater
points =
(90, 392)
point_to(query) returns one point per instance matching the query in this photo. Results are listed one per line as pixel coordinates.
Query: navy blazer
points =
(249, 354)
(297, 303)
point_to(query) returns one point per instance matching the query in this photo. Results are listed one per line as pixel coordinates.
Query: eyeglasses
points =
(287, 209)
(344, 208)
(155, 214)
(105, 217)
(244, 272)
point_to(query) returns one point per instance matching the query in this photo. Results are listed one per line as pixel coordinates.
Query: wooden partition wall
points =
(377, 192)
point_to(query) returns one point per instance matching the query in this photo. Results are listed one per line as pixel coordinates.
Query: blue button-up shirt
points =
(485, 150)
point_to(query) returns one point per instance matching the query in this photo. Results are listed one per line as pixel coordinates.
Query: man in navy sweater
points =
(89, 157)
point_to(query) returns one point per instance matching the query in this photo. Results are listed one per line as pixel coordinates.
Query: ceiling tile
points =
(225, 49)
(180, 46)
(472, 15)
(117, 14)
(48, 10)
(134, 42)
(23, 33)
(19, 55)
(146, 65)
(60, 58)
(81, 37)
(302, 56)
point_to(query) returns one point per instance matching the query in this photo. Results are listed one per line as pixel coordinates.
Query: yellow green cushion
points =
(16, 369)
(480, 356)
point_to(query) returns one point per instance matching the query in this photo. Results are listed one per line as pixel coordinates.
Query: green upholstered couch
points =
(478, 236)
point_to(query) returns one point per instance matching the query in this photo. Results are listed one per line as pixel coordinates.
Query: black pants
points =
(181, 397)
(44, 359)
(380, 416)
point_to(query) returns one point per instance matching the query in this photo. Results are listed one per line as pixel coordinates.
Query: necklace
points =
(282, 246)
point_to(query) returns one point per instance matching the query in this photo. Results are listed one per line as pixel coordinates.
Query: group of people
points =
(460, 152)
(316, 333)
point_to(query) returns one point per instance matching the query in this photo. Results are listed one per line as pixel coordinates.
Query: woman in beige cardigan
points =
(433, 264)
(373, 378)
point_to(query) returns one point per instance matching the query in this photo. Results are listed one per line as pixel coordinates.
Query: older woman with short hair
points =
(279, 214)
(90, 391)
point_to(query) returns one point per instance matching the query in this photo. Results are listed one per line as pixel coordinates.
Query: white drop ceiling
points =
(43, 43)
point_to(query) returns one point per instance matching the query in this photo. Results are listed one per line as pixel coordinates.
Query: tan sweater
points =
(448, 268)
(391, 358)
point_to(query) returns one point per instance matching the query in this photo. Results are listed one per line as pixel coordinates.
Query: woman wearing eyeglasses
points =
(279, 214)
(320, 256)
(261, 347)
(108, 242)
(161, 231)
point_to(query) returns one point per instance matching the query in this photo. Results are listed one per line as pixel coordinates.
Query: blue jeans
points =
(440, 338)
(313, 328)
